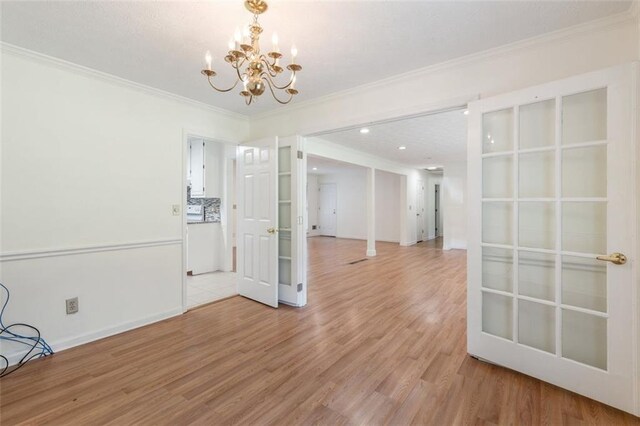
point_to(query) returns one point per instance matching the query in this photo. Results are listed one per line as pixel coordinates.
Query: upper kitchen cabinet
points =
(204, 168)
(196, 166)
(213, 174)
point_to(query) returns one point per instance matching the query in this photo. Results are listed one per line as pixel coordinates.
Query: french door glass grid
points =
(544, 208)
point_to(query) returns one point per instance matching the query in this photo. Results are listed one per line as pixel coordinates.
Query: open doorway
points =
(209, 222)
(426, 151)
(337, 204)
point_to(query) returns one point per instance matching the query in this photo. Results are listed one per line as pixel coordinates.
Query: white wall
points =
(91, 166)
(351, 202)
(351, 188)
(454, 200)
(388, 206)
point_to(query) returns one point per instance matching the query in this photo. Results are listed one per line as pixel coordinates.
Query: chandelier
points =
(254, 70)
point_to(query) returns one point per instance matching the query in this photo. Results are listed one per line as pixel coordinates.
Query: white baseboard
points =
(71, 342)
(409, 243)
(371, 253)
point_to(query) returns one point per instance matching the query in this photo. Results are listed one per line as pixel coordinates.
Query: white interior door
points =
(552, 193)
(257, 241)
(327, 209)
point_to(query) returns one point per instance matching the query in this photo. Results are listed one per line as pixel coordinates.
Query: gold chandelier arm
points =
(264, 60)
(293, 74)
(222, 90)
(248, 99)
(274, 93)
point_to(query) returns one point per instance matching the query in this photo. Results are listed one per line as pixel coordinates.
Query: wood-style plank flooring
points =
(380, 342)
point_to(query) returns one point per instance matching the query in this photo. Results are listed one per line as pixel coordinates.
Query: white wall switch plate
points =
(175, 209)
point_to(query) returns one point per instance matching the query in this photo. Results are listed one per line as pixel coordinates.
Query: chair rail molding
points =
(70, 251)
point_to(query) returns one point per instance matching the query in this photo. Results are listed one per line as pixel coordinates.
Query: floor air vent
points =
(357, 261)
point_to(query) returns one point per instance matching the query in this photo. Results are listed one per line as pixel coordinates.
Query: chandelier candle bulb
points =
(274, 42)
(208, 59)
(294, 53)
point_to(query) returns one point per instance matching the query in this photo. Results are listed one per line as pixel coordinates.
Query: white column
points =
(371, 212)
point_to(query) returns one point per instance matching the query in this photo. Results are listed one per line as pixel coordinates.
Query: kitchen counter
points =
(202, 221)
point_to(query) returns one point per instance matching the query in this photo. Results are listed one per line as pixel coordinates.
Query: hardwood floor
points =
(380, 342)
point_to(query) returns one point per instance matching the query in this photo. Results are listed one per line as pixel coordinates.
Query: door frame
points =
(421, 204)
(474, 190)
(228, 232)
(437, 209)
(335, 185)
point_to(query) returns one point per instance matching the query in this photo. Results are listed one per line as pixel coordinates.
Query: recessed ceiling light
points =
(466, 112)
(315, 168)
(364, 130)
(402, 148)
(432, 168)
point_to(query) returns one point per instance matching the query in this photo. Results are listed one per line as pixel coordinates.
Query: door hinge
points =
(299, 287)
(300, 155)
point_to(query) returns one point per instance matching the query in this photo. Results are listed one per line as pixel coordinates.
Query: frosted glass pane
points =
(284, 159)
(584, 172)
(497, 315)
(537, 175)
(584, 117)
(537, 225)
(284, 187)
(497, 131)
(497, 268)
(537, 325)
(497, 222)
(584, 338)
(497, 177)
(536, 275)
(284, 216)
(584, 227)
(284, 244)
(284, 271)
(538, 124)
(584, 283)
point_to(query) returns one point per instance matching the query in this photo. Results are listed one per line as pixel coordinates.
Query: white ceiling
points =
(327, 166)
(430, 140)
(342, 44)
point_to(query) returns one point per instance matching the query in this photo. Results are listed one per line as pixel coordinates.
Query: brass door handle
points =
(615, 258)
(272, 230)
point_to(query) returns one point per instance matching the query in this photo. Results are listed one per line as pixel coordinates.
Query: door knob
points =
(272, 230)
(615, 258)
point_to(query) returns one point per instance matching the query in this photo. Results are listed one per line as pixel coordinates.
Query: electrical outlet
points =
(175, 209)
(72, 306)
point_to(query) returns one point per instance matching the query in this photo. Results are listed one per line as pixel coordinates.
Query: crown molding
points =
(110, 78)
(601, 24)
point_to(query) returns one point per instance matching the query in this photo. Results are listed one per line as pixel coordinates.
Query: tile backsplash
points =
(211, 206)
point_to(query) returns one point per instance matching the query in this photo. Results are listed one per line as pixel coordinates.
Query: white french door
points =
(552, 200)
(257, 241)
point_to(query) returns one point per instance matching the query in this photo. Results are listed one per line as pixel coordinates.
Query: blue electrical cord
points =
(36, 343)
